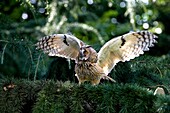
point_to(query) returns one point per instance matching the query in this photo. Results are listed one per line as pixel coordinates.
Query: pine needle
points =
(2, 57)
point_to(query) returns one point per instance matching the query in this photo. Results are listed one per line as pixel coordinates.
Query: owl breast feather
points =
(88, 71)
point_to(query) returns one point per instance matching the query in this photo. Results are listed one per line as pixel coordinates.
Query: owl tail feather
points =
(111, 79)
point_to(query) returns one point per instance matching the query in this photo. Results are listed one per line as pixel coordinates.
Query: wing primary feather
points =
(61, 45)
(125, 48)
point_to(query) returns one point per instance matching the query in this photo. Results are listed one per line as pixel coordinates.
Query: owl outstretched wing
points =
(124, 48)
(62, 45)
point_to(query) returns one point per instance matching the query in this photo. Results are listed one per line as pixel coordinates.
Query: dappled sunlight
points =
(32, 81)
(39, 82)
(88, 28)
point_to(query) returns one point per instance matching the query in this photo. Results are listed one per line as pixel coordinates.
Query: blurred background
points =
(23, 22)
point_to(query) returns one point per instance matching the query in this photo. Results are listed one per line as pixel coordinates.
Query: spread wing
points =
(61, 45)
(124, 48)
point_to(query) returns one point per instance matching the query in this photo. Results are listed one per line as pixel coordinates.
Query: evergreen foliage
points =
(145, 70)
(58, 97)
(18, 96)
(29, 79)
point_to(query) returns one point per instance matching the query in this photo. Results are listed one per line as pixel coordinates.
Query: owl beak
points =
(81, 56)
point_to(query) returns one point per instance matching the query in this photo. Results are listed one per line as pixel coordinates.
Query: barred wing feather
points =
(124, 48)
(61, 45)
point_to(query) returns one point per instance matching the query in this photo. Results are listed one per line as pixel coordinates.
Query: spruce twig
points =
(2, 57)
(35, 75)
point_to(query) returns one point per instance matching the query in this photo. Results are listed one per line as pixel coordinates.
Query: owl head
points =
(87, 53)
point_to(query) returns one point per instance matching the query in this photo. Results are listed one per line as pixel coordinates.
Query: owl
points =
(91, 65)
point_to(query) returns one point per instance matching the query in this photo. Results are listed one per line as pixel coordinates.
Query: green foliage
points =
(54, 97)
(95, 24)
(145, 70)
(18, 96)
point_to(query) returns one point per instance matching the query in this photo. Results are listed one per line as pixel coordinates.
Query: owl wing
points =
(62, 45)
(124, 48)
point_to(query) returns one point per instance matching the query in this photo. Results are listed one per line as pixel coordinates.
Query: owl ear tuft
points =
(87, 46)
(81, 44)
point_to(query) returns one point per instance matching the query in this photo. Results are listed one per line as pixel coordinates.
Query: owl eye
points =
(83, 55)
(85, 52)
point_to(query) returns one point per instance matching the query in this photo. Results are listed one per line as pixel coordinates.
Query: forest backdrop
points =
(23, 22)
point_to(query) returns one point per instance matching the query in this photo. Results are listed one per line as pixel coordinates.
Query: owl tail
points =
(111, 79)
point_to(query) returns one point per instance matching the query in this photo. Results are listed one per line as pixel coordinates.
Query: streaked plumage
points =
(90, 65)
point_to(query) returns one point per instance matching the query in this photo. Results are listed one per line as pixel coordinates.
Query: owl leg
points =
(80, 80)
(95, 82)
